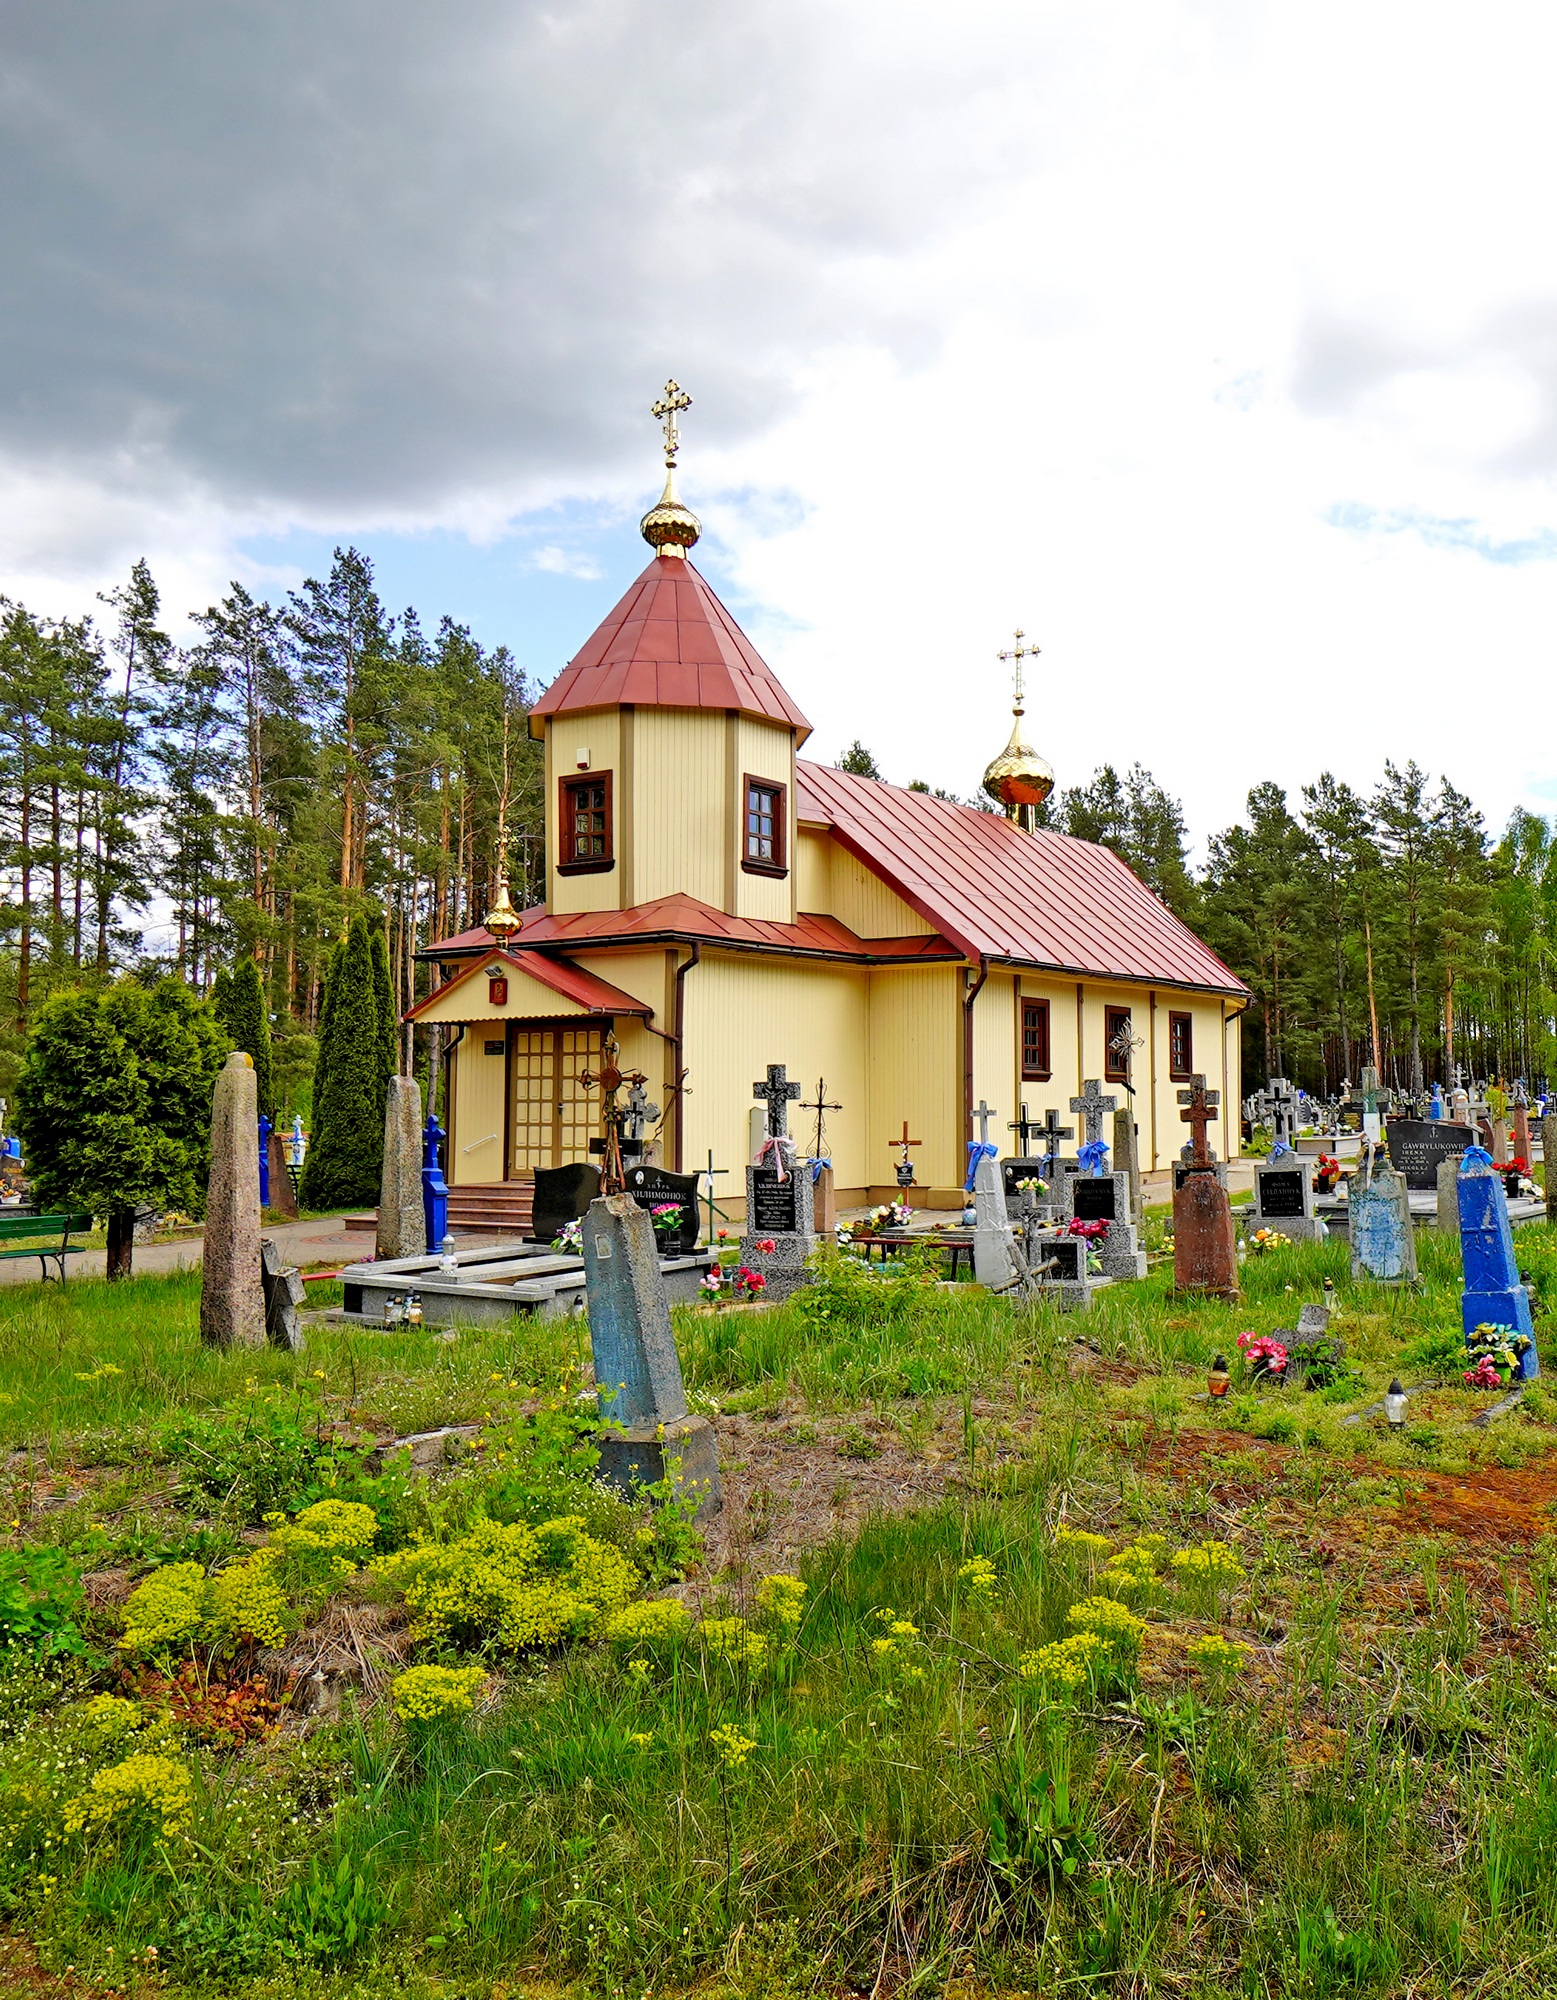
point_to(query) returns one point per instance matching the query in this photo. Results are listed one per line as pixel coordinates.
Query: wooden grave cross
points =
(1200, 1112)
(905, 1169)
(711, 1171)
(1093, 1107)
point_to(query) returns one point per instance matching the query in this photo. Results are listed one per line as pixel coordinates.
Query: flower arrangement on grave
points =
(1032, 1185)
(1263, 1357)
(665, 1218)
(887, 1216)
(1516, 1177)
(740, 1283)
(569, 1239)
(1094, 1232)
(1495, 1353)
(1327, 1171)
(1268, 1239)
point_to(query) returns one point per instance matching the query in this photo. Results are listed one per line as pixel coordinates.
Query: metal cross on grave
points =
(905, 1166)
(1054, 1132)
(711, 1173)
(1093, 1107)
(639, 1113)
(1201, 1112)
(778, 1093)
(1122, 1048)
(820, 1107)
(609, 1080)
(983, 1113)
(1024, 1128)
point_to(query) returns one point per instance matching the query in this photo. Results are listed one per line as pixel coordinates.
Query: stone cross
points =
(639, 1112)
(1092, 1106)
(821, 1107)
(983, 1113)
(1282, 1099)
(1200, 1112)
(778, 1093)
(232, 1301)
(402, 1214)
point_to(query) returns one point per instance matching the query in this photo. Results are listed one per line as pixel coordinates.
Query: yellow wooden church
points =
(719, 904)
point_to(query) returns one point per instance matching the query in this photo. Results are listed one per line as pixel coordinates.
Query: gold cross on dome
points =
(668, 406)
(1016, 652)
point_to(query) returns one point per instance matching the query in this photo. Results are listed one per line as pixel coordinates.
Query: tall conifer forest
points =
(186, 808)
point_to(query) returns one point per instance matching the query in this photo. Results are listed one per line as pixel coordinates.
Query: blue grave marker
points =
(435, 1189)
(1383, 1246)
(1493, 1294)
(265, 1129)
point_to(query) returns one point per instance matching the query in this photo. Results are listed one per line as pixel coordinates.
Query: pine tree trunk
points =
(121, 1242)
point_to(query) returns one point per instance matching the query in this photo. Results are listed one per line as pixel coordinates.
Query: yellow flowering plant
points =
(425, 1695)
(657, 1623)
(733, 1641)
(781, 1600)
(503, 1585)
(144, 1790)
(1206, 1570)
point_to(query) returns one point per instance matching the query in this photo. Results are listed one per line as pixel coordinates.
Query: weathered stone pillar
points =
(1549, 1163)
(232, 1303)
(402, 1220)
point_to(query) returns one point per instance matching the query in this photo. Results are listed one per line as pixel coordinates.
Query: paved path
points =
(324, 1240)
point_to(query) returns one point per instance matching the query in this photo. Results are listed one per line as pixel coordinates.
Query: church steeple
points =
(669, 528)
(1019, 778)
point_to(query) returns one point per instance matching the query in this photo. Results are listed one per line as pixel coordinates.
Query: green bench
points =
(14, 1227)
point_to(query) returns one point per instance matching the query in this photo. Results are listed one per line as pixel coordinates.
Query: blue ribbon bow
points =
(977, 1150)
(1474, 1157)
(1092, 1157)
(816, 1170)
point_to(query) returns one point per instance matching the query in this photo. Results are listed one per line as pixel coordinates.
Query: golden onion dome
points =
(1019, 776)
(669, 527)
(502, 919)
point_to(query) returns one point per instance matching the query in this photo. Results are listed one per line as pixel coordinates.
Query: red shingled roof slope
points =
(1040, 899)
(670, 643)
(685, 917)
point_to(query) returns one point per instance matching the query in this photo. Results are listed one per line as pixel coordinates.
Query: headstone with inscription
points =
(562, 1195)
(655, 1187)
(1284, 1199)
(780, 1203)
(1379, 1214)
(1419, 1146)
(1105, 1198)
(637, 1369)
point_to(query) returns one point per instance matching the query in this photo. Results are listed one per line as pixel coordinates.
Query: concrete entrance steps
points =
(494, 1208)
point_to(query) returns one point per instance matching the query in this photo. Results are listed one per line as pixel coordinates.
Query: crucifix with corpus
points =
(1201, 1109)
(608, 1079)
(905, 1166)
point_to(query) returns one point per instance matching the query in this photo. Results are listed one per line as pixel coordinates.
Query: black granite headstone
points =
(1059, 1259)
(1281, 1190)
(562, 1194)
(650, 1186)
(1012, 1171)
(1094, 1198)
(775, 1209)
(1417, 1146)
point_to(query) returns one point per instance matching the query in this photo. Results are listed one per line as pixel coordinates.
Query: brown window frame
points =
(1181, 1072)
(1115, 1071)
(591, 864)
(1038, 1012)
(779, 865)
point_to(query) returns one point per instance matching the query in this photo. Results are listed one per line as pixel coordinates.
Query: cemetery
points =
(860, 1461)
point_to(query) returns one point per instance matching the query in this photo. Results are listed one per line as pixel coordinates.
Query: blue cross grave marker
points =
(435, 1189)
(1493, 1294)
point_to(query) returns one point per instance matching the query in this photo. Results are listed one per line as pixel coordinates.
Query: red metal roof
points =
(670, 643)
(1040, 899)
(670, 917)
(571, 981)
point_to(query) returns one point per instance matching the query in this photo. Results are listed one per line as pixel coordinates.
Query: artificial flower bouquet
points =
(1265, 1359)
(1496, 1355)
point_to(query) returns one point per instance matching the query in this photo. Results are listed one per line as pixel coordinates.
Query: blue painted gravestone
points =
(1383, 1246)
(637, 1369)
(1493, 1294)
(435, 1189)
(264, 1160)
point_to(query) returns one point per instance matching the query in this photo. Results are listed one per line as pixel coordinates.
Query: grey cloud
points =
(336, 253)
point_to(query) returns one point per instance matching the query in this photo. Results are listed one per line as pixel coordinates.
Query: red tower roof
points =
(670, 643)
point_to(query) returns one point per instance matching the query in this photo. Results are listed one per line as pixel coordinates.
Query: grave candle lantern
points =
(1395, 1404)
(1218, 1380)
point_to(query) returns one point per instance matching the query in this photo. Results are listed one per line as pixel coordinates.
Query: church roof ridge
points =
(1044, 899)
(669, 643)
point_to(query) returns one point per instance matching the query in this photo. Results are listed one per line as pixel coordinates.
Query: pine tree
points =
(114, 1103)
(346, 1151)
(244, 1014)
(858, 760)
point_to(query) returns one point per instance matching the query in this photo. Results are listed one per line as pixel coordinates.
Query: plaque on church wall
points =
(651, 1187)
(1281, 1191)
(775, 1205)
(1418, 1145)
(1094, 1199)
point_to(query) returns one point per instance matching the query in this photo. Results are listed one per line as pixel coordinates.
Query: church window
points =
(1181, 1047)
(1116, 1056)
(1035, 1041)
(584, 844)
(762, 840)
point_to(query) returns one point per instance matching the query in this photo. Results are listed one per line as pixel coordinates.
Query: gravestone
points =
(435, 1189)
(637, 1116)
(824, 1201)
(1549, 1163)
(1494, 1295)
(402, 1221)
(1205, 1249)
(1127, 1158)
(562, 1195)
(1448, 1216)
(650, 1186)
(1419, 1146)
(1057, 1271)
(1092, 1107)
(1303, 1341)
(1182, 1169)
(284, 1293)
(994, 1265)
(1282, 1103)
(1284, 1199)
(780, 1207)
(283, 1196)
(637, 1369)
(1379, 1218)
(1460, 1105)
(1105, 1198)
(1014, 1172)
(1522, 1124)
(232, 1301)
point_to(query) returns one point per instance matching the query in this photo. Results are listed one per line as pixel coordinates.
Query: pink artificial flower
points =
(767, 1246)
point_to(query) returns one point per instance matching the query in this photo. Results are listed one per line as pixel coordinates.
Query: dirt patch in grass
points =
(1491, 1506)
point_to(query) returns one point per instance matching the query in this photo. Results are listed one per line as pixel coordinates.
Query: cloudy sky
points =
(1212, 341)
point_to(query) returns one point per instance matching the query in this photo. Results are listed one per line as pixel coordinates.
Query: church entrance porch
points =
(552, 1116)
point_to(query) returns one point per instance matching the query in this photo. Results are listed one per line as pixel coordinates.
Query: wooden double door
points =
(552, 1116)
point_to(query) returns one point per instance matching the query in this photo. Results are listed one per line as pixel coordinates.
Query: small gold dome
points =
(502, 919)
(1019, 776)
(669, 527)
